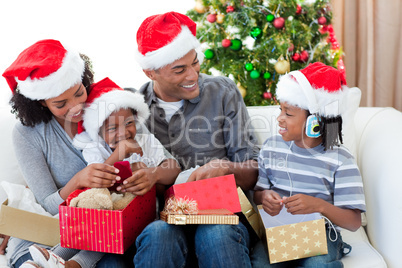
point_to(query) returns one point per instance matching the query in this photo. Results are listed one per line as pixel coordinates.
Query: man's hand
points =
(215, 168)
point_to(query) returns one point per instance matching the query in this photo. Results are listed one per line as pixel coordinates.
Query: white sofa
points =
(377, 144)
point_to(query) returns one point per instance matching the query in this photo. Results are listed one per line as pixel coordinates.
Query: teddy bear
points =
(101, 198)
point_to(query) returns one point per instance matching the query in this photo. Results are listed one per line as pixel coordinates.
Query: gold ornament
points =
(199, 7)
(282, 66)
(220, 18)
(242, 90)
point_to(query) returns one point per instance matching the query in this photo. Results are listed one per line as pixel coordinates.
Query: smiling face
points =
(177, 81)
(292, 124)
(120, 125)
(68, 107)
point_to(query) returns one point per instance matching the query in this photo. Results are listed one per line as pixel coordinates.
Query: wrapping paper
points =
(110, 231)
(291, 237)
(213, 193)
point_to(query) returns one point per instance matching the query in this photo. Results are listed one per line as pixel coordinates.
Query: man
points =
(202, 121)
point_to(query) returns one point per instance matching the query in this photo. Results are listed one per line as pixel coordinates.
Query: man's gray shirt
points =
(214, 125)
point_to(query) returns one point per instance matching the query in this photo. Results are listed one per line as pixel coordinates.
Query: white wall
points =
(105, 30)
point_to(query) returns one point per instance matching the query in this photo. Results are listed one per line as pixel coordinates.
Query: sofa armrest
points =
(379, 145)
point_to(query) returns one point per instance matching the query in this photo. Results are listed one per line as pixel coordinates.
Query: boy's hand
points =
(271, 202)
(302, 204)
(128, 147)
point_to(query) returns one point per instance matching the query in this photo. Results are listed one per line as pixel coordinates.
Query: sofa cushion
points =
(9, 167)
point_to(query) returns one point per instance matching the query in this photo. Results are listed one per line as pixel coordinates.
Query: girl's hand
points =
(140, 182)
(271, 202)
(302, 204)
(97, 175)
(128, 147)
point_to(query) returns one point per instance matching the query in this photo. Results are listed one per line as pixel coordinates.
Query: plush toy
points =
(103, 198)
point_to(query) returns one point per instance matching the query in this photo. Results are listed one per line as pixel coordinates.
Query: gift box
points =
(29, 226)
(109, 231)
(250, 217)
(210, 216)
(213, 193)
(291, 237)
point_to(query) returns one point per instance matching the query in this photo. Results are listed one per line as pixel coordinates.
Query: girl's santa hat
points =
(105, 97)
(45, 70)
(165, 38)
(318, 88)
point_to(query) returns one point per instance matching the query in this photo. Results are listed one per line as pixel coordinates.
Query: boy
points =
(305, 169)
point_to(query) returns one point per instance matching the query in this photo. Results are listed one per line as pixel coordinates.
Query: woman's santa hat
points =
(318, 88)
(105, 97)
(45, 70)
(165, 38)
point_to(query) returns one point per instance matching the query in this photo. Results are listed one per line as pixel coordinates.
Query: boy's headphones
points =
(312, 126)
(312, 122)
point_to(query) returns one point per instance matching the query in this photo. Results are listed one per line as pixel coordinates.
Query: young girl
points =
(114, 131)
(305, 169)
(50, 83)
(110, 121)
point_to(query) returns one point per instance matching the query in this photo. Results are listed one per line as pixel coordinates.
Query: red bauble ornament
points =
(279, 23)
(298, 9)
(296, 57)
(291, 47)
(226, 43)
(267, 95)
(211, 18)
(230, 9)
(304, 56)
(322, 20)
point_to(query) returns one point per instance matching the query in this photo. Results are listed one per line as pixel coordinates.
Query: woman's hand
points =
(93, 176)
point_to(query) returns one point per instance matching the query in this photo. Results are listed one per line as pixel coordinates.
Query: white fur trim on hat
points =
(327, 104)
(102, 107)
(69, 74)
(178, 48)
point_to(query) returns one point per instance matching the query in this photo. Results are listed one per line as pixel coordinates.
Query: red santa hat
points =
(318, 88)
(45, 70)
(164, 38)
(106, 97)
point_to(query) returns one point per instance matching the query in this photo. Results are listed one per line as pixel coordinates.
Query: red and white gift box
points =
(110, 231)
(213, 193)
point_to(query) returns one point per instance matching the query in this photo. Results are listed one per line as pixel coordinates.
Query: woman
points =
(50, 85)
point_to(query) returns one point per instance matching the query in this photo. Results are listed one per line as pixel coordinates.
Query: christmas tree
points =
(256, 41)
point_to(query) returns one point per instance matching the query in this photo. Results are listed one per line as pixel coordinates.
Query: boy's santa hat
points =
(45, 70)
(318, 88)
(165, 38)
(105, 97)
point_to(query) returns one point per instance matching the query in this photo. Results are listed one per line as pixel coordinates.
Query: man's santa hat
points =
(165, 38)
(45, 70)
(106, 97)
(318, 88)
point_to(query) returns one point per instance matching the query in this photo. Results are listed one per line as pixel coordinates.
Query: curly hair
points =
(32, 112)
